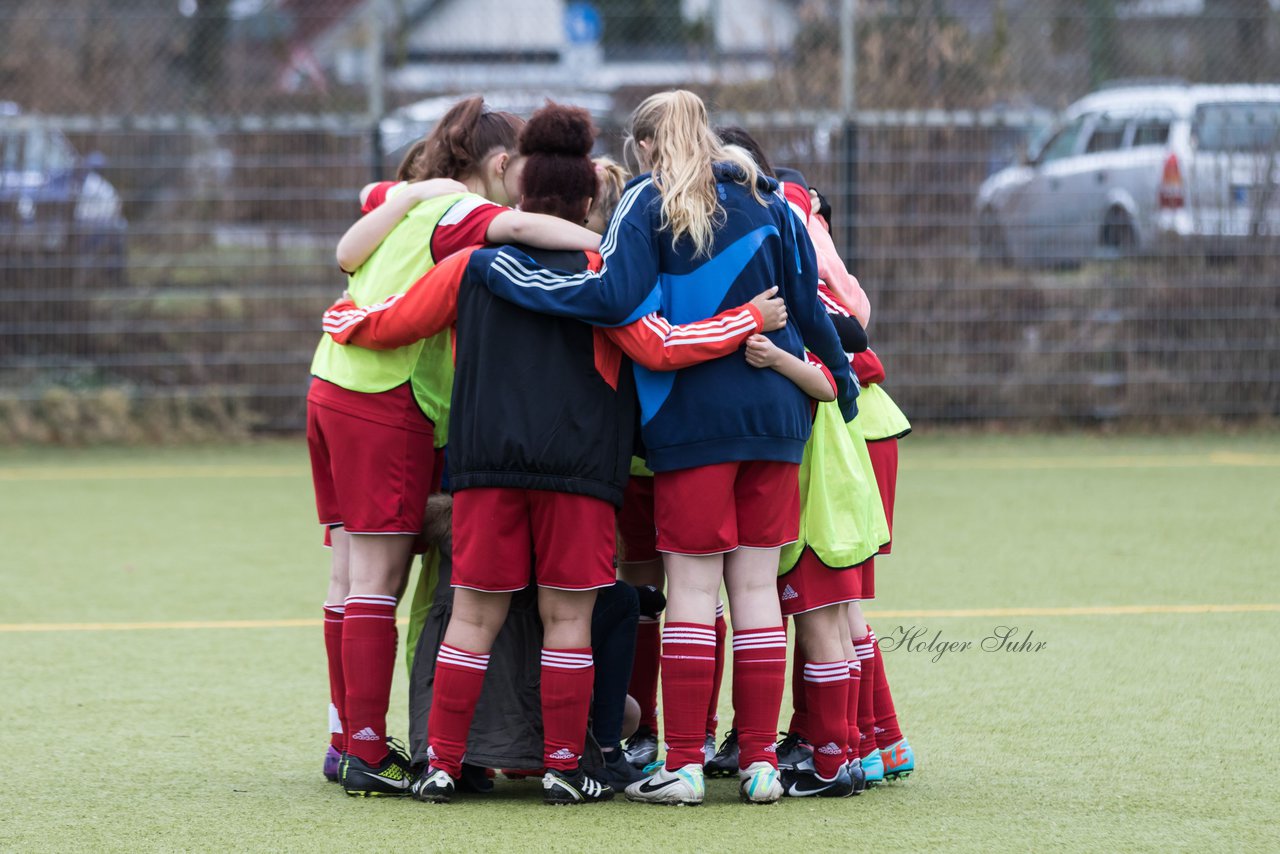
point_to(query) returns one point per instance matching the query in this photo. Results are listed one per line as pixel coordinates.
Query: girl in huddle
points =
(703, 231)
(544, 421)
(375, 414)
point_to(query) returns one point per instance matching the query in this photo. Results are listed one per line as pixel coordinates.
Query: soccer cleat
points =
(389, 778)
(899, 760)
(873, 768)
(682, 786)
(857, 775)
(805, 783)
(433, 785)
(642, 747)
(332, 764)
(725, 762)
(474, 779)
(793, 750)
(563, 788)
(759, 783)
(618, 772)
(708, 749)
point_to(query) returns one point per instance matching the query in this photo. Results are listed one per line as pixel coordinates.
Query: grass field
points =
(1147, 728)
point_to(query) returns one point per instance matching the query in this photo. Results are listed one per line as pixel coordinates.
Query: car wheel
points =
(1118, 233)
(992, 244)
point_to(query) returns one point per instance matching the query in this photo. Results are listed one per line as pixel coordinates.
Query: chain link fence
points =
(176, 174)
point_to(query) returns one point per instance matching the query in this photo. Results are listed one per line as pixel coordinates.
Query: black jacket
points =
(530, 409)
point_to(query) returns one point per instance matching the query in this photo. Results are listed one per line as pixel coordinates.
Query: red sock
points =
(799, 700)
(337, 686)
(887, 731)
(368, 662)
(759, 674)
(851, 708)
(717, 677)
(826, 685)
(688, 663)
(567, 677)
(459, 678)
(866, 651)
(644, 671)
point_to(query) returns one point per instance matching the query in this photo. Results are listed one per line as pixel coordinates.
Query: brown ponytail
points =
(460, 142)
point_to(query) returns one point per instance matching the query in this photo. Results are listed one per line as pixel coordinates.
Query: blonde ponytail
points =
(681, 151)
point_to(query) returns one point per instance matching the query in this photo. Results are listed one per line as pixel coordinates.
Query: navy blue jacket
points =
(719, 411)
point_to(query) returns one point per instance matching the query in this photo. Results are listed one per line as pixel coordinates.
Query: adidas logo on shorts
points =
(563, 753)
(830, 749)
(366, 734)
(788, 594)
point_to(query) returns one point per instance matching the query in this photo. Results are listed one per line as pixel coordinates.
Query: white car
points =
(1141, 169)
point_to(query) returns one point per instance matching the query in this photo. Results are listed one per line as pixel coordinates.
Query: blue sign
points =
(582, 23)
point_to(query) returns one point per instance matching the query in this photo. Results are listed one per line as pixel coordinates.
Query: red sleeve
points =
(868, 367)
(659, 346)
(831, 302)
(429, 306)
(377, 195)
(799, 199)
(814, 360)
(464, 224)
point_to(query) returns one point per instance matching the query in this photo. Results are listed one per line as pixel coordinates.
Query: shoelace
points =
(790, 741)
(397, 747)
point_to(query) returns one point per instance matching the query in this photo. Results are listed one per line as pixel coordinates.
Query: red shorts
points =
(635, 521)
(812, 585)
(884, 462)
(372, 458)
(868, 573)
(717, 508)
(497, 533)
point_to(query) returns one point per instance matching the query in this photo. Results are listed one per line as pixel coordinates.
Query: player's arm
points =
(809, 374)
(368, 232)
(623, 291)
(832, 270)
(428, 307)
(541, 230)
(655, 344)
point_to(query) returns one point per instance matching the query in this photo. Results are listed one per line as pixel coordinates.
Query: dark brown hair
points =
(734, 135)
(460, 142)
(559, 177)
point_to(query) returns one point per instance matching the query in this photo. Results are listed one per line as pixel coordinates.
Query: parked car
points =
(57, 212)
(1141, 169)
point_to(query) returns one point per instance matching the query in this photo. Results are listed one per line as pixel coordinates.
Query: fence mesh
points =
(176, 174)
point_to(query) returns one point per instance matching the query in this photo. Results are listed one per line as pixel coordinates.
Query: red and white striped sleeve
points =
(655, 344)
(826, 372)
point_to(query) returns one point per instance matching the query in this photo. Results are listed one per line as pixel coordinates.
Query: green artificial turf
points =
(1146, 731)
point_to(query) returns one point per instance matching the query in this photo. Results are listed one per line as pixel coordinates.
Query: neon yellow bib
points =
(879, 416)
(841, 516)
(402, 258)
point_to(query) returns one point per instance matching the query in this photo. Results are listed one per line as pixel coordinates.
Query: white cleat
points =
(760, 783)
(682, 786)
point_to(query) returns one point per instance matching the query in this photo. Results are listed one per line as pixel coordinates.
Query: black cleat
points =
(434, 786)
(390, 778)
(793, 750)
(725, 762)
(563, 788)
(858, 776)
(805, 783)
(618, 772)
(475, 780)
(642, 747)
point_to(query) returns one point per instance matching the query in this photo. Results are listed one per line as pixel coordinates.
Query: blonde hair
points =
(613, 177)
(681, 151)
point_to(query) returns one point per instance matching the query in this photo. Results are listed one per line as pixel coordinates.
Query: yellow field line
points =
(1084, 611)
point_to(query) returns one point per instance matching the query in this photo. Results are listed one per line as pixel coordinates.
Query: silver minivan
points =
(1142, 169)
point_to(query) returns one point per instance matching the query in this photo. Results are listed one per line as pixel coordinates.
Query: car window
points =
(1107, 135)
(1061, 144)
(47, 152)
(1240, 126)
(1151, 130)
